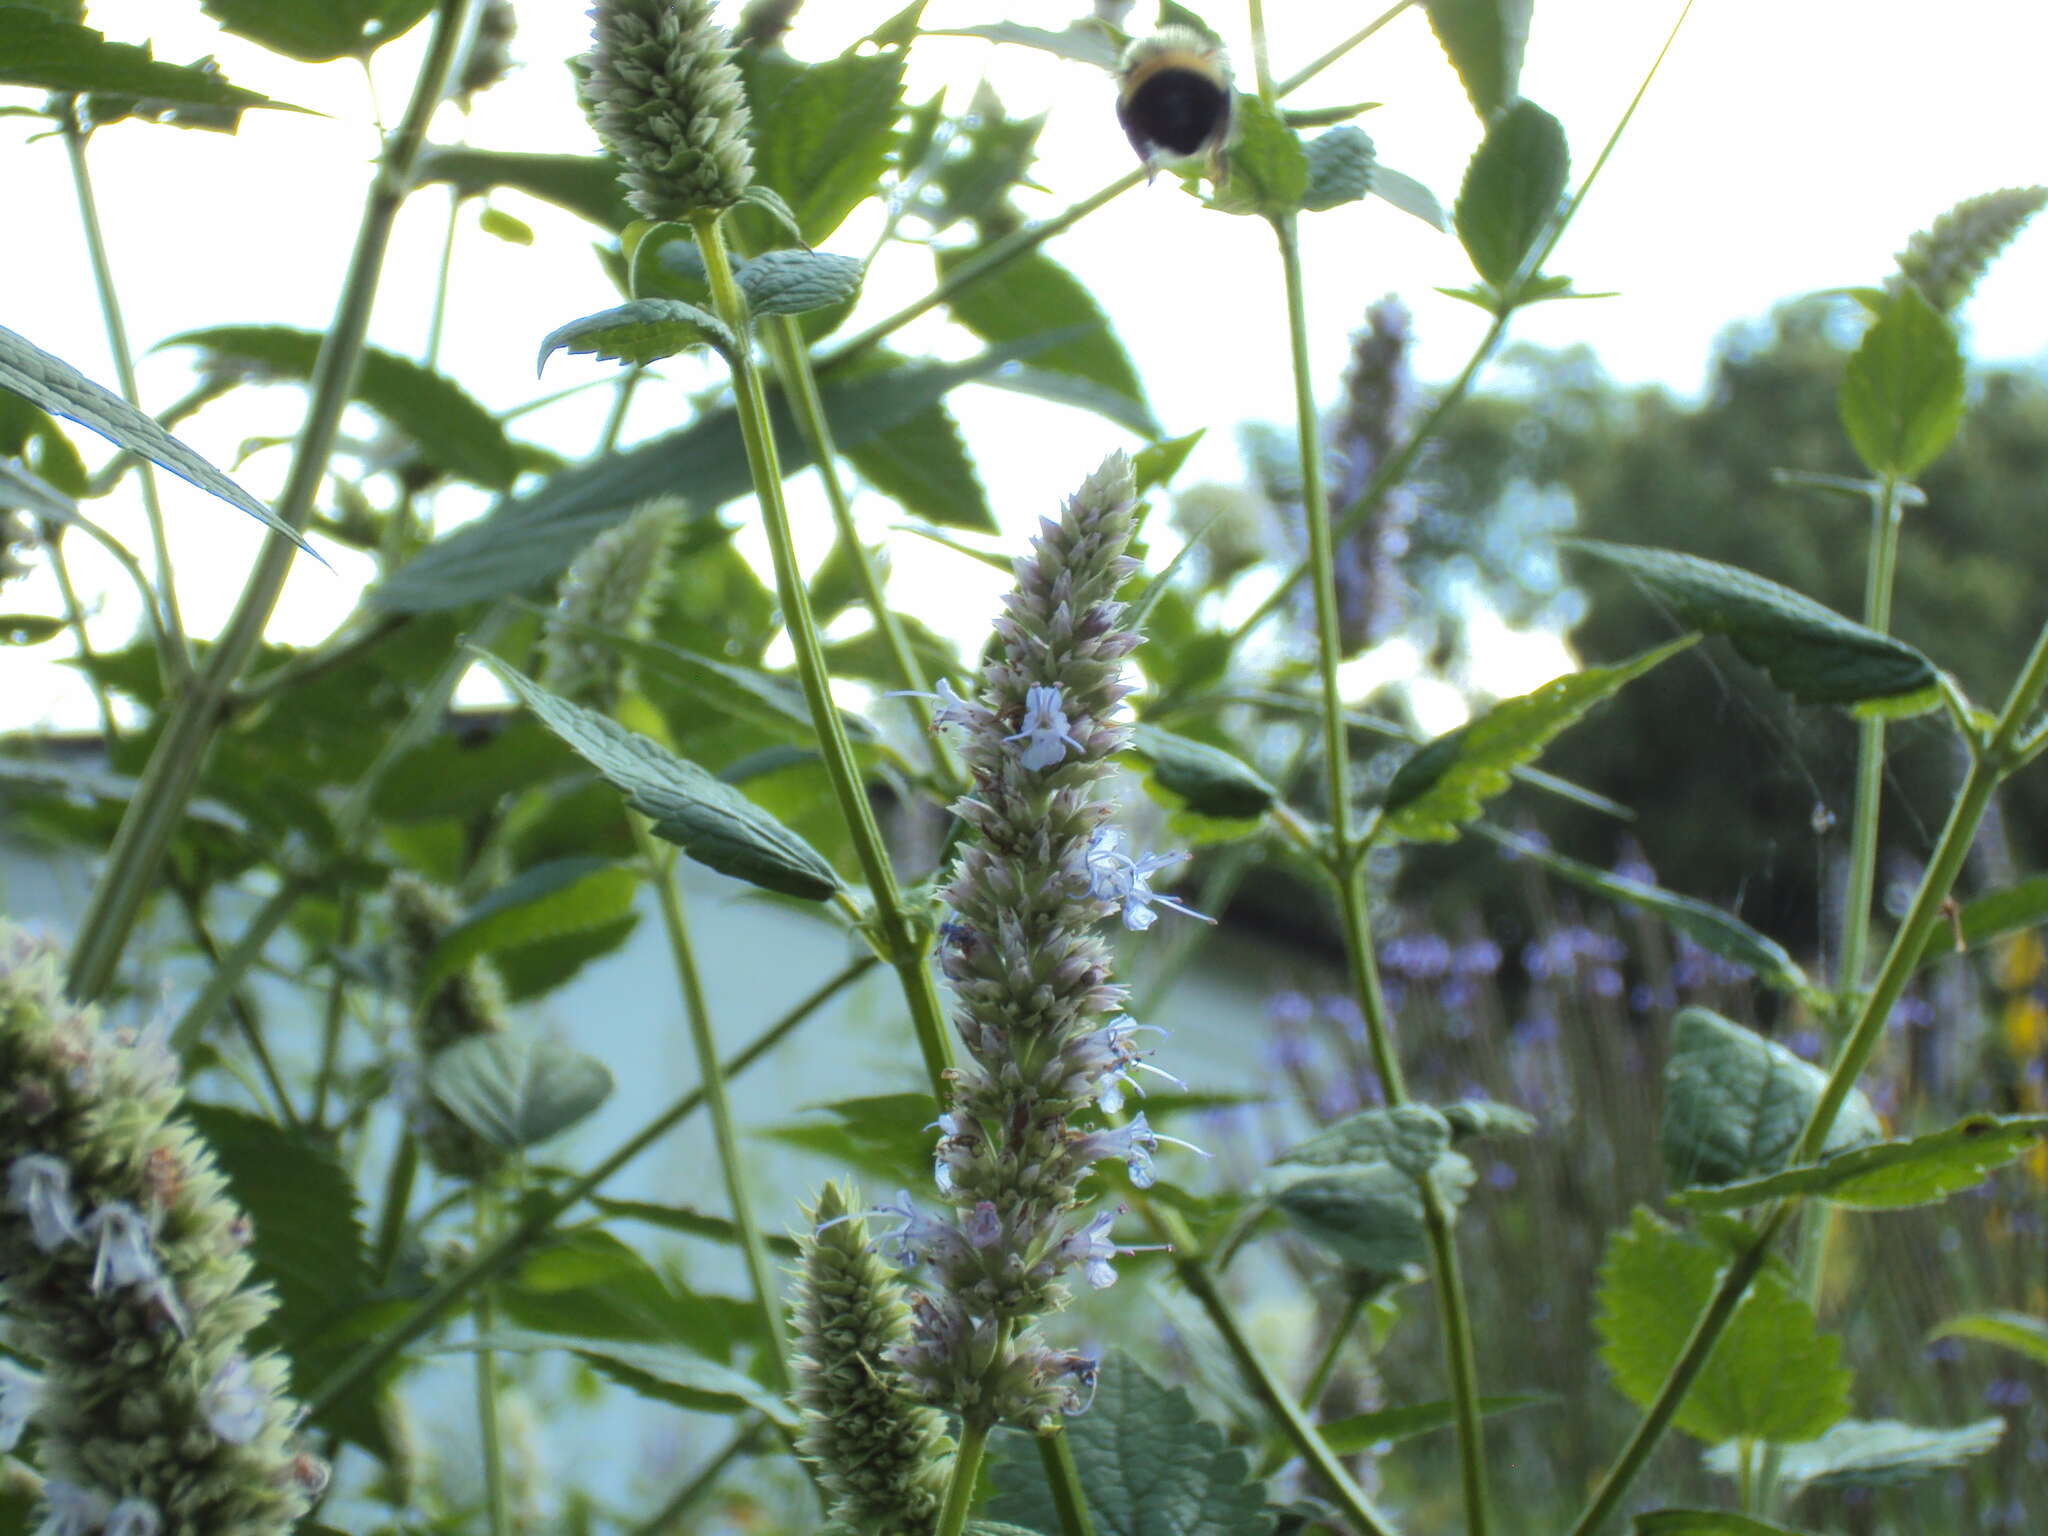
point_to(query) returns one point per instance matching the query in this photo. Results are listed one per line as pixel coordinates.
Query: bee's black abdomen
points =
(1179, 110)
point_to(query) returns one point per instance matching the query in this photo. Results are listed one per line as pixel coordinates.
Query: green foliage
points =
(1773, 1375)
(1446, 783)
(1735, 1104)
(1148, 1467)
(661, 1373)
(922, 464)
(1704, 1522)
(586, 185)
(548, 901)
(1811, 652)
(60, 389)
(314, 31)
(1485, 41)
(1891, 1175)
(49, 53)
(797, 282)
(1340, 169)
(644, 331)
(1357, 1188)
(886, 1137)
(447, 426)
(515, 1092)
(1902, 394)
(1863, 1453)
(1269, 168)
(822, 138)
(2016, 1331)
(1363, 1431)
(1205, 779)
(1993, 915)
(1511, 190)
(712, 822)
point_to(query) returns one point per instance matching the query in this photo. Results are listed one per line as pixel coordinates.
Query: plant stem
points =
(900, 945)
(438, 319)
(168, 782)
(405, 1167)
(661, 872)
(1957, 834)
(966, 1468)
(487, 1381)
(1323, 61)
(1886, 517)
(1333, 1347)
(706, 1478)
(541, 1214)
(74, 620)
(1064, 1479)
(173, 650)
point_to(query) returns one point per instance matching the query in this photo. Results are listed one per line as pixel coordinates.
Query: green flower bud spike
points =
(127, 1279)
(616, 584)
(883, 1457)
(469, 1004)
(662, 92)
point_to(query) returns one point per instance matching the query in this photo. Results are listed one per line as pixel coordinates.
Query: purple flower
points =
(21, 1394)
(235, 1407)
(39, 1187)
(134, 1517)
(125, 1256)
(918, 1239)
(1476, 957)
(1132, 1145)
(984, 1228)
(73, 1511)
(1115, 876)
(1044, 730)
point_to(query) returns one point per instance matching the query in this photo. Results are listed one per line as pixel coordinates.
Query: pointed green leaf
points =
(1148, 1467)
(1772, 1374)
(515, 1092)
(314, 31)
(1715, 931)
(712, 822)
(664, 1373)
(1902, 391)
(1084, 42)
(449, 426)
(922, 465)
(1736, 1103)
(1364, 1431)
(1268, 167)
(823, 141)
(644, 331)
(60, 389)
(1444, 785)
(2010, 1330)
(1511, 191)
(797, 282)
(1705, 1522)
(562, 896)
(1890, 1175)
(1033, 295)
(1810, 651)
(47, 53)
(1355, 1189)
(586, 185)
(1409, 195)
(1484, 1117)
(1870, 1453)
(1206, 779)
(1340, 169)
(886, 1137)
(1485, 41)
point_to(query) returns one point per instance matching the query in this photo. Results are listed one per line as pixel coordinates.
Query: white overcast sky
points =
(1788, 145)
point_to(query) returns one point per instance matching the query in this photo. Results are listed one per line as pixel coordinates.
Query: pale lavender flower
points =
(69, 1510)
(1114, 876)
(1044, 730)
(21, 1394)
(233, 1404)
(984, 1228)
(125, 1257)
(1132, 1145)
(39, 1187)
(134, 1517)
(949, 708)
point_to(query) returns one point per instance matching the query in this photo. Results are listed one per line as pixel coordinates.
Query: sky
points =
(1784, 148)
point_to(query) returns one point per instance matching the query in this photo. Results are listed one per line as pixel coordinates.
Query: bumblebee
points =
(1174, 101)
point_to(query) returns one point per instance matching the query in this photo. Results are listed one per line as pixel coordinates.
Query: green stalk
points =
(661, 872)
(1886, 518)
(792, 360)
(1998, 757)
(1333, 1347)
(685, 1498)
(900, 944)
(495, 1505)
(1064, 1479)
(137, 854)
(540, 1214)
(174, 653)
(966, 1468)
(74, 620)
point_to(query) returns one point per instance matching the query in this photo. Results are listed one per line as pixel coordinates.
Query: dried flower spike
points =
(663, 94)
(125, 1277)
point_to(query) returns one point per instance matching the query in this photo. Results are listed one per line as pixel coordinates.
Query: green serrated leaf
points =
(797, 282)
(823, 142)
(1511, 191)
(712, 822)
(1340, 169)
(1870, 1453)
(922, 464)
(1444, 785)
(530, 539)
(727, 688)
(644, 331)
(1085, 42)
(1268, 164)
(1365, 1431)
(586, 185)
(562, 896)
(1901, 399)
(1356, 1187)
(1890, 1175)
(663, 1373)
(1705, 1522)
(314, 31)
(1810, 651)
(1718, 932)
(1485, 41)
(447, 424)
(885, 1137)
(1736, 1103)
(1206, 779)
(2009, 1330)
(52, 53)
(1772, 1375)
(1033, 295)
(1148, 1467)
(588, 1284)
(60, 389)
(515, 1092)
